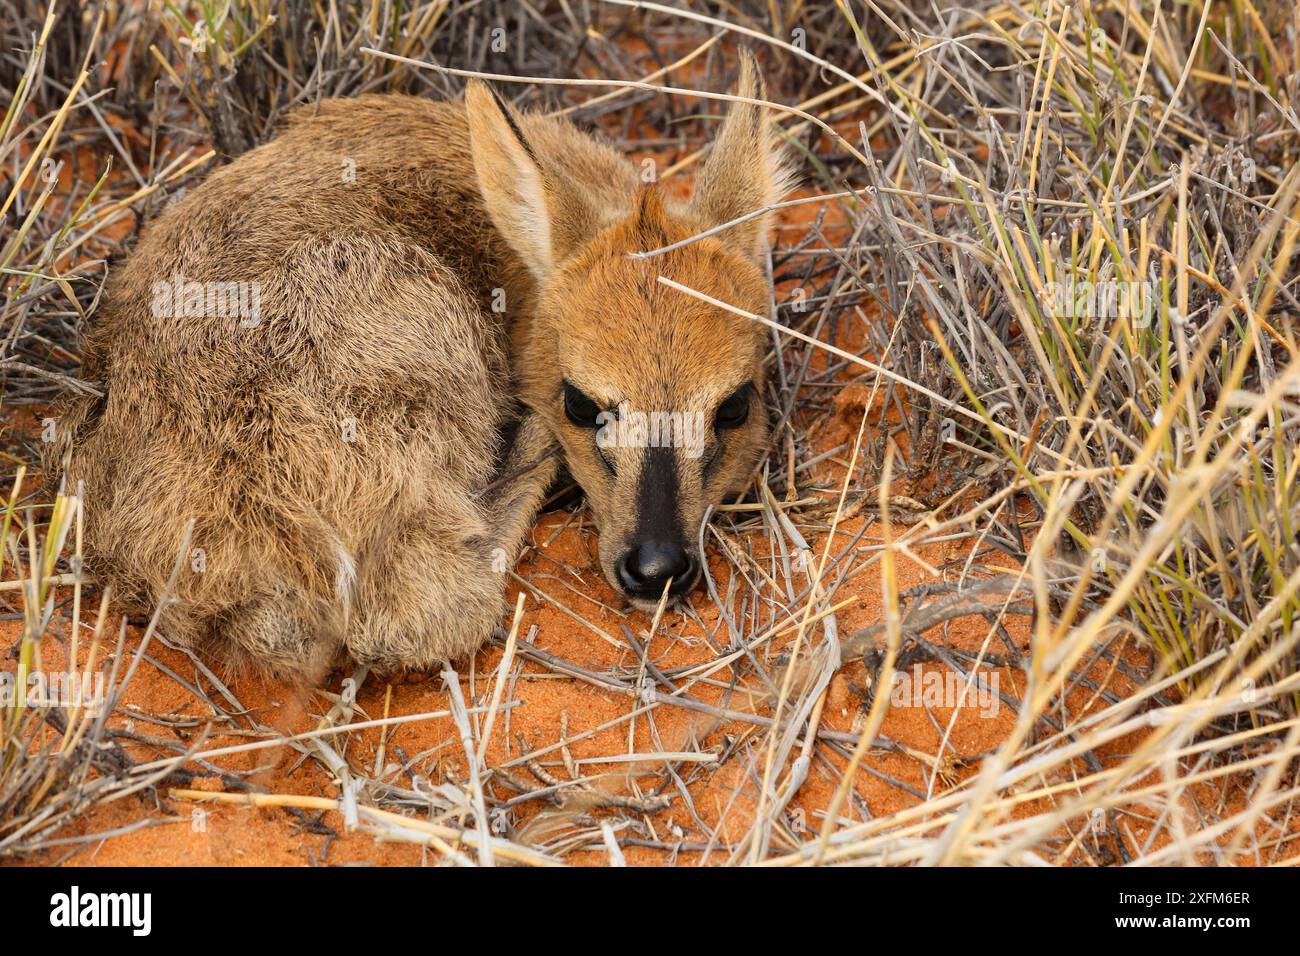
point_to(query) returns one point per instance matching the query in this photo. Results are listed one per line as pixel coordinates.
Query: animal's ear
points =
(747, 169)
(540, 214)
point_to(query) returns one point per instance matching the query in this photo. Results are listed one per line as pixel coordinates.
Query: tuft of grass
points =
(56, 757)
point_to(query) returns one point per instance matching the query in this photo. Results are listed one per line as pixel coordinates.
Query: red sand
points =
(724, 799)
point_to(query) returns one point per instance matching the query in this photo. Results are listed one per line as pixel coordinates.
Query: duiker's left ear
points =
(747, 169)
(540, 213)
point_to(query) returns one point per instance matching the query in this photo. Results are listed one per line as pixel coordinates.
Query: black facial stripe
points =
(658, 492)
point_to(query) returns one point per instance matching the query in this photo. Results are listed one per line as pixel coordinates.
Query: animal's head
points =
(656, 396)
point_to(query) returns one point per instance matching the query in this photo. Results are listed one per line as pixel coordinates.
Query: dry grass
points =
(1138, 466)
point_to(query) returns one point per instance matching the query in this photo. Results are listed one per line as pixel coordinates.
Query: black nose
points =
(644, 570)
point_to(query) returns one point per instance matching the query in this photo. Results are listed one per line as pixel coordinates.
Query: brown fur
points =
(331, 455)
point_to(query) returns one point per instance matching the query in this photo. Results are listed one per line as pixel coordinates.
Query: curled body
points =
(354, 359)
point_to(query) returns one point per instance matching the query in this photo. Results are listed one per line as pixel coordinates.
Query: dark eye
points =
(580, 408)
(733, 412)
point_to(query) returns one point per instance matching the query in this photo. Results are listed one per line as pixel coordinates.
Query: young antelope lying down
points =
(349, 356)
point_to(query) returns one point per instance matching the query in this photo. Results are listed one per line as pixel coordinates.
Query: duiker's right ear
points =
(537, 213)
(747, 170)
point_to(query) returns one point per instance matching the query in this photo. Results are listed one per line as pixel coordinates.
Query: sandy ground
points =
(723, 798)
(549, 708)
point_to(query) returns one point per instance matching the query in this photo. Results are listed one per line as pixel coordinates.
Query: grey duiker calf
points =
(315, 357)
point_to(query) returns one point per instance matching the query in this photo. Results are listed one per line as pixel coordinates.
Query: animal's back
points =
(323, 411)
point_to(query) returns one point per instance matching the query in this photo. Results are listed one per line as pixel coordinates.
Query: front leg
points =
(512, 500)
